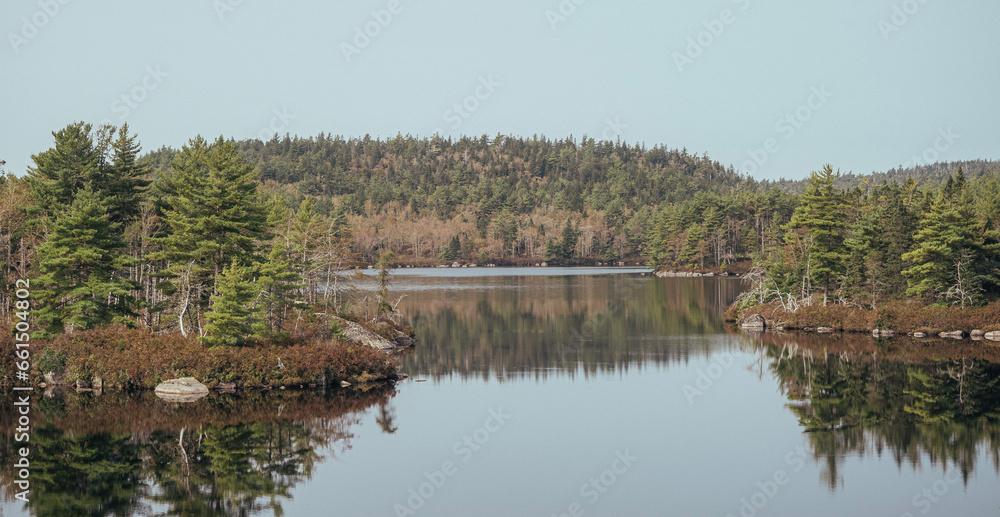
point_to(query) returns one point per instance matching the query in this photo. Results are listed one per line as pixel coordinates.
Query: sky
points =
(775, 89)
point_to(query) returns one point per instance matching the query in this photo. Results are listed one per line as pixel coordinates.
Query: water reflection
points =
(933, 401)
(534, 326)
(122, 455)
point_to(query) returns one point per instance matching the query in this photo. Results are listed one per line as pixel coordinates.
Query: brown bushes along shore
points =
(125, 358)
(899, 316)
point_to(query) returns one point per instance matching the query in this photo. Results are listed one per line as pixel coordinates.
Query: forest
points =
(231, 240)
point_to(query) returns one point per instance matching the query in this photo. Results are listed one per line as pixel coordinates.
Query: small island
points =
(123, 278)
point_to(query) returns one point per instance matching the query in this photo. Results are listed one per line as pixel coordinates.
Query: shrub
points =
(131, 358)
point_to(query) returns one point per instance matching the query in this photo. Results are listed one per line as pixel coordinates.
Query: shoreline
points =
(122, 359)
(898, 318)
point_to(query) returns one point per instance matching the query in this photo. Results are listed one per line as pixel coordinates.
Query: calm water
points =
(552, 392)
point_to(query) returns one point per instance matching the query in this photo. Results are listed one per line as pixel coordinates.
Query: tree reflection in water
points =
(933, 402)
(122, 455)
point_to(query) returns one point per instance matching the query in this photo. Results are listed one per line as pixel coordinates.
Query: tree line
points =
(198, 249)
(502, 199)
(231, 241)
(937, 244)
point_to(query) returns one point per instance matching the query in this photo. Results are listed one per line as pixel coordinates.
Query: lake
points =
(546, 391)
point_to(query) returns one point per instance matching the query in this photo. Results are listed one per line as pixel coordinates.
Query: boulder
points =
(976, 333)
(358, 334)
(186, 389)
(919, 334)
(754, 322)
(226, 386)
(993, 335)
(883, 333)
(955, 334)
(825, 330)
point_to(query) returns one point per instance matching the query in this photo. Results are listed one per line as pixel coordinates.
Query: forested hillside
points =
(498, 199)
(925, 175)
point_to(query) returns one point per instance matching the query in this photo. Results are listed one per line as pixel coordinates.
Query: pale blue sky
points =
(604, 69)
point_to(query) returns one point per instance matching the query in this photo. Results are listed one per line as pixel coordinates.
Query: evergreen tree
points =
(78, 266)
(124, 181)
(951, 258)
(693, 250)
(570, 236)
(60, 172)
(214, 217)
(278, 283)
(822, 213)
(235, 316)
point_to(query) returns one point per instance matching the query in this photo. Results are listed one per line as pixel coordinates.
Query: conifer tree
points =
(951, 257)
(235, 315)
(214, 217)
(278, 283)
(822, 213)
(570, 236)
(78, 266)
(61, 171)
(124, 180)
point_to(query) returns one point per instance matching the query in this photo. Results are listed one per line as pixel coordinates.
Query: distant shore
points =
(888, 319)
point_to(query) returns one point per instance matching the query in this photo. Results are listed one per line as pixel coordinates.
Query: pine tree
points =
(79, 265)
(570, 236)
(278, 283)
(693, 251)
(123, 181)
(214, 217)
(822, 213)
(235, 316)
(951, 257)
(60, 172)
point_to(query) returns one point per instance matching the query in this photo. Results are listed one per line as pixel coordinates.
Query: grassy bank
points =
(125, 358)
(900, 316)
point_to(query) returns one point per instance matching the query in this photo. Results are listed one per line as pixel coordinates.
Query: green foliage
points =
(821, 215)
(952, 259)
(78, 286)
(235, 316)
(213, 216)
